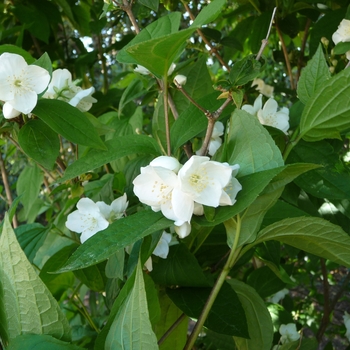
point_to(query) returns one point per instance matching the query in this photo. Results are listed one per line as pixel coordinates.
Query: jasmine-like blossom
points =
(180, 80)
(91, 217)
(277, 297)
(63, 88)
(288, 333)
(20, 84)
(346, 318)
(342, 34)
(265, 89)
(87, 220)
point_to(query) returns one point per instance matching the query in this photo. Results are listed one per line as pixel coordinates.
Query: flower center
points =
(198, 181)
(18, 83)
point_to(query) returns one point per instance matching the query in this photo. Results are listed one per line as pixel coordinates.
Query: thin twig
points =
(286, 58)
(171, 329)
(127, 7)
(302, 48)
(326, 305)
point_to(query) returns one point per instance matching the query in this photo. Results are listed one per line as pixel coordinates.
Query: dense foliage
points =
(175, 174)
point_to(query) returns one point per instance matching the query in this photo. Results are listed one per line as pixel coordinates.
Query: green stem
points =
(216, 289)
(295, 138)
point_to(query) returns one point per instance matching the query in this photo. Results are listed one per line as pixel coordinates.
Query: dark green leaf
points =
(17, 50)
(245, 70)
(152, 4)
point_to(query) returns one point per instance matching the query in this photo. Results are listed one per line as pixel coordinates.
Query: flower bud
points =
(331, 69)
(180, 80)
(324, 41)
(334, 63)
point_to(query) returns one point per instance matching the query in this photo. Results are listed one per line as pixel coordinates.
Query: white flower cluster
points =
(342, 34)
(20, 84)
(92, 217)
(269, 114)
(181, 191)
(63, 88)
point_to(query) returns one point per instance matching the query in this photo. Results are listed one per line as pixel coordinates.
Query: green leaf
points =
(163, 26)
(313, 76)
(258, 318)
(152, 4)
(245, 70)
(15, 49)
(341, 48)
(313, 235)
(180, 268)
(306, 344)
(40, 342)
(193, 121)
(158, 54)
(131, 328)
(226, 316)
(118, 235)
(28, 186)
(132, 92)
(250, 145)
(39, 142)
(209, 13)
(44, 62)
(27, 305)
(69, 122)
(31, 237)
(93, 277)
(326, 113)
(169, 314)
(116, 148)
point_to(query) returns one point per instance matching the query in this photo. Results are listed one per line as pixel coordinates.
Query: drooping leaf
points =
(326, 113)
(39, 142)
(258, 318)
(119, 234)
(313, 235)
(313, 76)
(179, 268)
(27, 305)
(116, 148)
(226, 316)
(131, 328)
(69, 122)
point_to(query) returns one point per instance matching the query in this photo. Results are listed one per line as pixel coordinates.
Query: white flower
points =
(171, 68)
(277, 297)
(180, 80)
(270, 116)
(253, 110)
(20, 84)
(162, 248)
(114, 211)
(183, 230)
(87, 220)
(288, 333)
(9, 112)
(166, 162)
(142, 70)
(342, 34)
(63, 88)
(263, 88)
(346, 318)
(215, 140)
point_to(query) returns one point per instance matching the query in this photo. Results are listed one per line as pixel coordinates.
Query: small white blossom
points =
(87, 220)
(277, 297)
(270, 115)
(288, 333)
(263, 88)
(183, 230)
(346, 318)
(142, 70)
(20, 84)
(253, 110)
(180, 80)
(171, 68)
(114, 211)
(63, 88)
(342, 34)
(215, 140)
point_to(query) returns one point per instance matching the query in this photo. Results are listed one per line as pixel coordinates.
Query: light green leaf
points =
(118, 235)
(313, 76)
(258, 318)
(326, 113)
(341, 48)
(131, 328)
(28, 186)
(17, 50)
(39, 142)
(27, 305)
(158, 54)
(44, 62)
(250, 145)
(116, 148)
(163, 26)
(209, 13)
(69, 122)
(40, 342)
(313, 235)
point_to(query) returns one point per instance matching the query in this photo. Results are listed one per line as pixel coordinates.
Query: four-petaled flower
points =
(20, 84)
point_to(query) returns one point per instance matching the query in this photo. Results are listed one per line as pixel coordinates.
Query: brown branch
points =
(127, 7)
(286, 58)
(326, 308)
